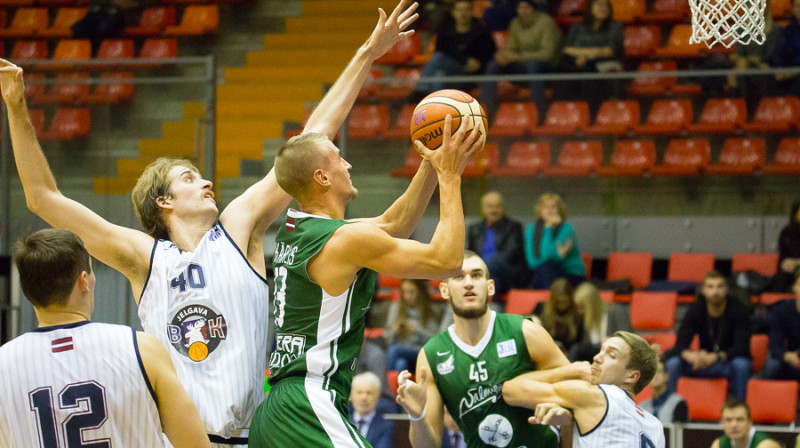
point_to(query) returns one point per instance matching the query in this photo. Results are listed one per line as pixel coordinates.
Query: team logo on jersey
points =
(196, 330)
(447, 366)
(496, 430)
(506, 348)
(478, 396)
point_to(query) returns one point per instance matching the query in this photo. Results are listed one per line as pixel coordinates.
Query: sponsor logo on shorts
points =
(196, 330)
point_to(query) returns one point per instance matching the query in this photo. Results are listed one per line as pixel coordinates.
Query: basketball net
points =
(727, 22)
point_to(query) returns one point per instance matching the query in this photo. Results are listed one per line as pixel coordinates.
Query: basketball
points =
(427, 122)
(198, 351)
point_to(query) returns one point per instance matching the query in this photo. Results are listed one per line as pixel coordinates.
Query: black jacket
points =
(509, 242)
(734, 337)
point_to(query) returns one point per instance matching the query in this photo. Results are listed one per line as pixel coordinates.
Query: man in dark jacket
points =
(498, 240)
(784, 338)
(722, 324)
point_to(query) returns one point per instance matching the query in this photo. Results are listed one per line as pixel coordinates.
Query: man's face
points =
(714, 290)
(462, 13)
(610, 366)
(524, 10)
(469, 291)
(364, 397)
(735, 423)
(492, 207)
(189, 192)
(339, 171)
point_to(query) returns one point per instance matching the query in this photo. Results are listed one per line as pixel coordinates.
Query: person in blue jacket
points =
(551, 250)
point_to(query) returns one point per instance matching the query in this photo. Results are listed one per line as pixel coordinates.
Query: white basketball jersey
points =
(80, 384)
(210, 309)
(625, 425)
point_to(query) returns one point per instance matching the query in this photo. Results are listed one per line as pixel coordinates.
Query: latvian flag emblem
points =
(290, 224)
(61, 345)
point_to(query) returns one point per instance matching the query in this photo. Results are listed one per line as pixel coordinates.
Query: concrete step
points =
(316, 73)
(326, 8)
(312, 40)
(245, 147)
(330, 24)
(262, 110)
(273, 58)
(277, 91)
(233, 129)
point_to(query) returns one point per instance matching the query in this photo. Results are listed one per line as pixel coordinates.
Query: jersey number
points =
(645, 442)
(477, 372)
(193, 276)
(89, 395)
(280, 295)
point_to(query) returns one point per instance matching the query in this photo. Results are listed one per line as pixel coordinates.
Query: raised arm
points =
(125, 250)
(419, 395)
(248, 216)
(179, 418)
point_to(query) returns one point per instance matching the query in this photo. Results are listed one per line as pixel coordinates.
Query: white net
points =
(727, 22)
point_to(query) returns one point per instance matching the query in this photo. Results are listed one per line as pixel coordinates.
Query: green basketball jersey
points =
(317, 335)
(758, 437)
(470, 380)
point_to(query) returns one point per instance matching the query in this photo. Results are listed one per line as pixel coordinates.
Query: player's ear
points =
(83, 281)
(444, 290)
(633, 376)
(163, 202)
(321, 177)
(490, 287)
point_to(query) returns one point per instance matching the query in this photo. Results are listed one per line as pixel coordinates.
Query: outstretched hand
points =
(457, 148)
(11, 84)
(391, 29)
(410, 395)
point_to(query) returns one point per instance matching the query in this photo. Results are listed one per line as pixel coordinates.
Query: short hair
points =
(714, 274)
(49, 261)
(643, 358)
(562, 207)
(369, 379)
(296, 162)
(733, 403)
(471, 254)
(151, 185)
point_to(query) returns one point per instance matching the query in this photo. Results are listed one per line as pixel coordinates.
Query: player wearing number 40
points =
(464, 369)
(73, 382)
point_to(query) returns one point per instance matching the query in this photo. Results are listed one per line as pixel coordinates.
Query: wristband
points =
(421, 416)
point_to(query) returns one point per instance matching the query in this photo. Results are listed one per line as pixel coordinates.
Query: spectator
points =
(463, 47)
(105, 19)
(434, 13)
(532, 47)
(550, 247)
(594, 45)
(738, 429)
(754, 55)
(372, 358)
(722, 324)
(452, 437)
(667, 407)
(787, 53)
(499, 14)
(411, 322)
(559, 315)
(366, 412)
(784, 339)
(599, 319)
(789, 250)
(498, 240)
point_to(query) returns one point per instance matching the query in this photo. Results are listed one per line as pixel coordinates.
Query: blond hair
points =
(550, 316)
(594, 309)
(296, 162)
(562, 207)
(642, 358)
(151, 185)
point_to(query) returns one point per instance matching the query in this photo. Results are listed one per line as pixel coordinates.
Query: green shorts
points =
(298, 412)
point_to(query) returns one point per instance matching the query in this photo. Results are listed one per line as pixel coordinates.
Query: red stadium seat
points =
(775, 114)
(27, 22)
(641, 41)
(525, 159)
(564, 118)
(112, 93)
(154, 48)
(402, 52)
(689, 267)
(68, 124)
(63, 21)
(740, 156)
(153, 21)
(759, 349)
(678, 45)
(664, 340)
(577, 159)
(667, 11)
(615, 117)
(116, 49)
(386, 286)
(368, 121)
(28, 50)
(401, 128)
(68, 50)
(586, 258)
(634, 266)
(523, 301)
(407, 80)
(368, 89)
(570, 11)
(628, 11)
(411, 165)
(771, 298)
(787, 158)
(704, 397)
(772, 401)
(644, 395)
(631, 158)
(514, 120)
(67, 92)
(721, 116)
(485, 162)
(684, 158)
(196, 20)
(392, 380)
(660, 85)
(667, 117)
(653, 311)
(765, 264)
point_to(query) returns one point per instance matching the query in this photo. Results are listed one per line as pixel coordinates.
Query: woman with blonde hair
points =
(559, 315)
(550, 247)
(599, 320)
(411, 322)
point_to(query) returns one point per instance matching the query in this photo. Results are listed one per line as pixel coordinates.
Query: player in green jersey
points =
(464, 368)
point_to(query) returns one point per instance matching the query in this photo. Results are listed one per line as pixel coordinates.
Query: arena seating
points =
(153, 21)
(653, 311)
(704, 397)
(577, 159)
(564, 118)
(765, 408)
(615, 118)
(525, 159)
(630, 158)
(787, 158)
(740, 156)
(684, 158)
(65, 17)
(721, 116)
(514, 120)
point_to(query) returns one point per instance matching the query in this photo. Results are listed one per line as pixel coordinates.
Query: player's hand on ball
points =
(456, 150)
(412, 396)
(550, 414)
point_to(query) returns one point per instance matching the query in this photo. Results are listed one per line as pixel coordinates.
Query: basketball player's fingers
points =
(533, 420)
(406, 34)
(403, 15)
(398, 9)
(407, 22)
(422, 150)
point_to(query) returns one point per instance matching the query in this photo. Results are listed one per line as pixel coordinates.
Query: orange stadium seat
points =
(684, 158)
(704, 397)
(28, 50)
(153, 21)
(69, 50)
(765, 264)
(570, 11)
(630, 158)
(514, 120)
(689, 267)
(577, 159)
(525, 159)
(400, 129)
(641, 41)
(523, 301)
(740, 156)
(721, 116)
(63, 21)
(781, 8)
(787, 158)
(759, 349)
(634, 266)
(407, 80)
(660, 85)
(653, 311)
(196, 20)
(116, 49)
(368, 121)
(156, 48)
(423, 58)
(644, 395)
(27, 22)
(392, 380)
(775, 114)
(665, 340)
(411, 165)
(402, 52)
(564, 118)
(37, 119)
(111, 93)
(615, 117)
(485, 162)
(67, 92)
(628, 11)
(678, 45)
(667, 11)
(68, 124)
(772, 401)
(667, 117)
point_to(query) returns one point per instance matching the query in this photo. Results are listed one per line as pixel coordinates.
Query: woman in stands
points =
(411, 322)
(550, 247)
(559, 315)
(789, 249)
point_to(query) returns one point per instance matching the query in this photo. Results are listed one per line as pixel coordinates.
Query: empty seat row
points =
(80, 49)
(65, 124)
(113, 90)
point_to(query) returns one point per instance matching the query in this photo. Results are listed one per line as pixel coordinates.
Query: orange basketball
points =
(198, 351)
(427, 123)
